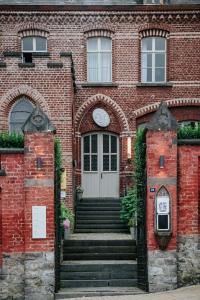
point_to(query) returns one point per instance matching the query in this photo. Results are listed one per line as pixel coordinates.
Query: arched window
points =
(20, 112)
(99, 59)
(153, 59)
(162, 210)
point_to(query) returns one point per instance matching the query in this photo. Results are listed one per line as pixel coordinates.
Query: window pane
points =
(93, 67)
(147, 44)
(113, 144)
(146, 60)
(41, 44)
(105, 143)
(87, 144)
(106, 44)
(160, 44)
(28, 44)
(160, 74)
(163, 222)
(106, 163)
(113, 162)
(94, 162)
(92, 44)
(94, 143)
(160, 60)
(147, 75)
(105, 67)
(86, 163)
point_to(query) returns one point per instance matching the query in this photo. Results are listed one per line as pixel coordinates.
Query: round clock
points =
(101, 117)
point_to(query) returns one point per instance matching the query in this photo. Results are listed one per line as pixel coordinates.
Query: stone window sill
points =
(99, 84)
(2, 172)
(12, 54)
(2, 65)
(26, 65)
(154, 84)
(55, 65)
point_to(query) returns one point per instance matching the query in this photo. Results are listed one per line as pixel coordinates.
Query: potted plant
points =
(132, 223)
(79, 192)
(67, 220)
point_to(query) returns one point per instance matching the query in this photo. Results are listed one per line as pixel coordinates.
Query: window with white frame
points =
(19, 113)
(153, 59)
(33, 44)
(99, 59)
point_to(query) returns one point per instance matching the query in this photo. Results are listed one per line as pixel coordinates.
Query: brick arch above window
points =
(100, 98)
(153, 32)
(99, 33)
(32, 31)
(12, 95)
(170, 103)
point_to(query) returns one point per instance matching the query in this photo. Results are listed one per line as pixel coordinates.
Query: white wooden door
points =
(100, 165)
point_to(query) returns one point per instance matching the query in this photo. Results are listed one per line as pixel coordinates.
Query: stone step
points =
(97, 283)
(98, 213)
(99, 266)
(88, 243)
(101, 226)
(97, 275)
(99, 249)
(103, 204)
(99, 256)
(99, 208)
(99, 221)
(66, 293)
(110, 230)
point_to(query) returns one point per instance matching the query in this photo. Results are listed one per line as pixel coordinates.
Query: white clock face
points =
(101, 117)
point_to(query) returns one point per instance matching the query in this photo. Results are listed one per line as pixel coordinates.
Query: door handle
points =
(101, 175)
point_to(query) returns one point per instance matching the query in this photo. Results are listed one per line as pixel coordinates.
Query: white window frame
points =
(34, 44)
(153, 52)
(99, 51)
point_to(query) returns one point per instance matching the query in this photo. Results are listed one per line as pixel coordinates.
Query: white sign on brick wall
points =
(39, 222)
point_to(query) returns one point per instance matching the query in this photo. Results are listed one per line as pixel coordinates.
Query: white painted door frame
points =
(100, 165)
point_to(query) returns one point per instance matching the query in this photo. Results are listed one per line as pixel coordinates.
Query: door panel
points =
(100, 165)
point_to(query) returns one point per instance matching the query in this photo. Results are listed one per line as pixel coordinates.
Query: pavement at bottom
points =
(186, 293)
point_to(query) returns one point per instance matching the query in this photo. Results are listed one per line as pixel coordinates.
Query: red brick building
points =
(98, 72)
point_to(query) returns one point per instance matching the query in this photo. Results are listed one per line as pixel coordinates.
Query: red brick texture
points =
(19, 193)
(188, 190)
(161, 143)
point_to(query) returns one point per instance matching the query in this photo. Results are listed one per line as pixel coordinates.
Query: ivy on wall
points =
(131, 203)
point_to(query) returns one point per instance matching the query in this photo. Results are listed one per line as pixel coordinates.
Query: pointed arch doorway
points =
(100, 165)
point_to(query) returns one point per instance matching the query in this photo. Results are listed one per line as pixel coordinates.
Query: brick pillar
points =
(39, 207)
(161, 142)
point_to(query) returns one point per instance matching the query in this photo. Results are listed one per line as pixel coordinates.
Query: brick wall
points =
(68, 32)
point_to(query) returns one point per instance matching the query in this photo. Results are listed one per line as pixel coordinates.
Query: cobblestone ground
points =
(187, 293)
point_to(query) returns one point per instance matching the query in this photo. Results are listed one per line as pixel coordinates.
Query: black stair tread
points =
(99, 226)
(101, 267)
(98, 213)
(100, 249)
(95, 221)
(98, 208)
(98, 283)
(99, 256)
(101, 230)
(97, 291)
(106, 275)
(87, 243)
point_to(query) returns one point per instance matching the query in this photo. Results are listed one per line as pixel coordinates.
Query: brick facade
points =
(129, 102)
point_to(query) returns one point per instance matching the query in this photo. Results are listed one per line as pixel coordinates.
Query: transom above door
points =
(100, 165)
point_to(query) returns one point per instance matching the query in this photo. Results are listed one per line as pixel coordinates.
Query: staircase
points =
(100, 258)
(99, 215)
